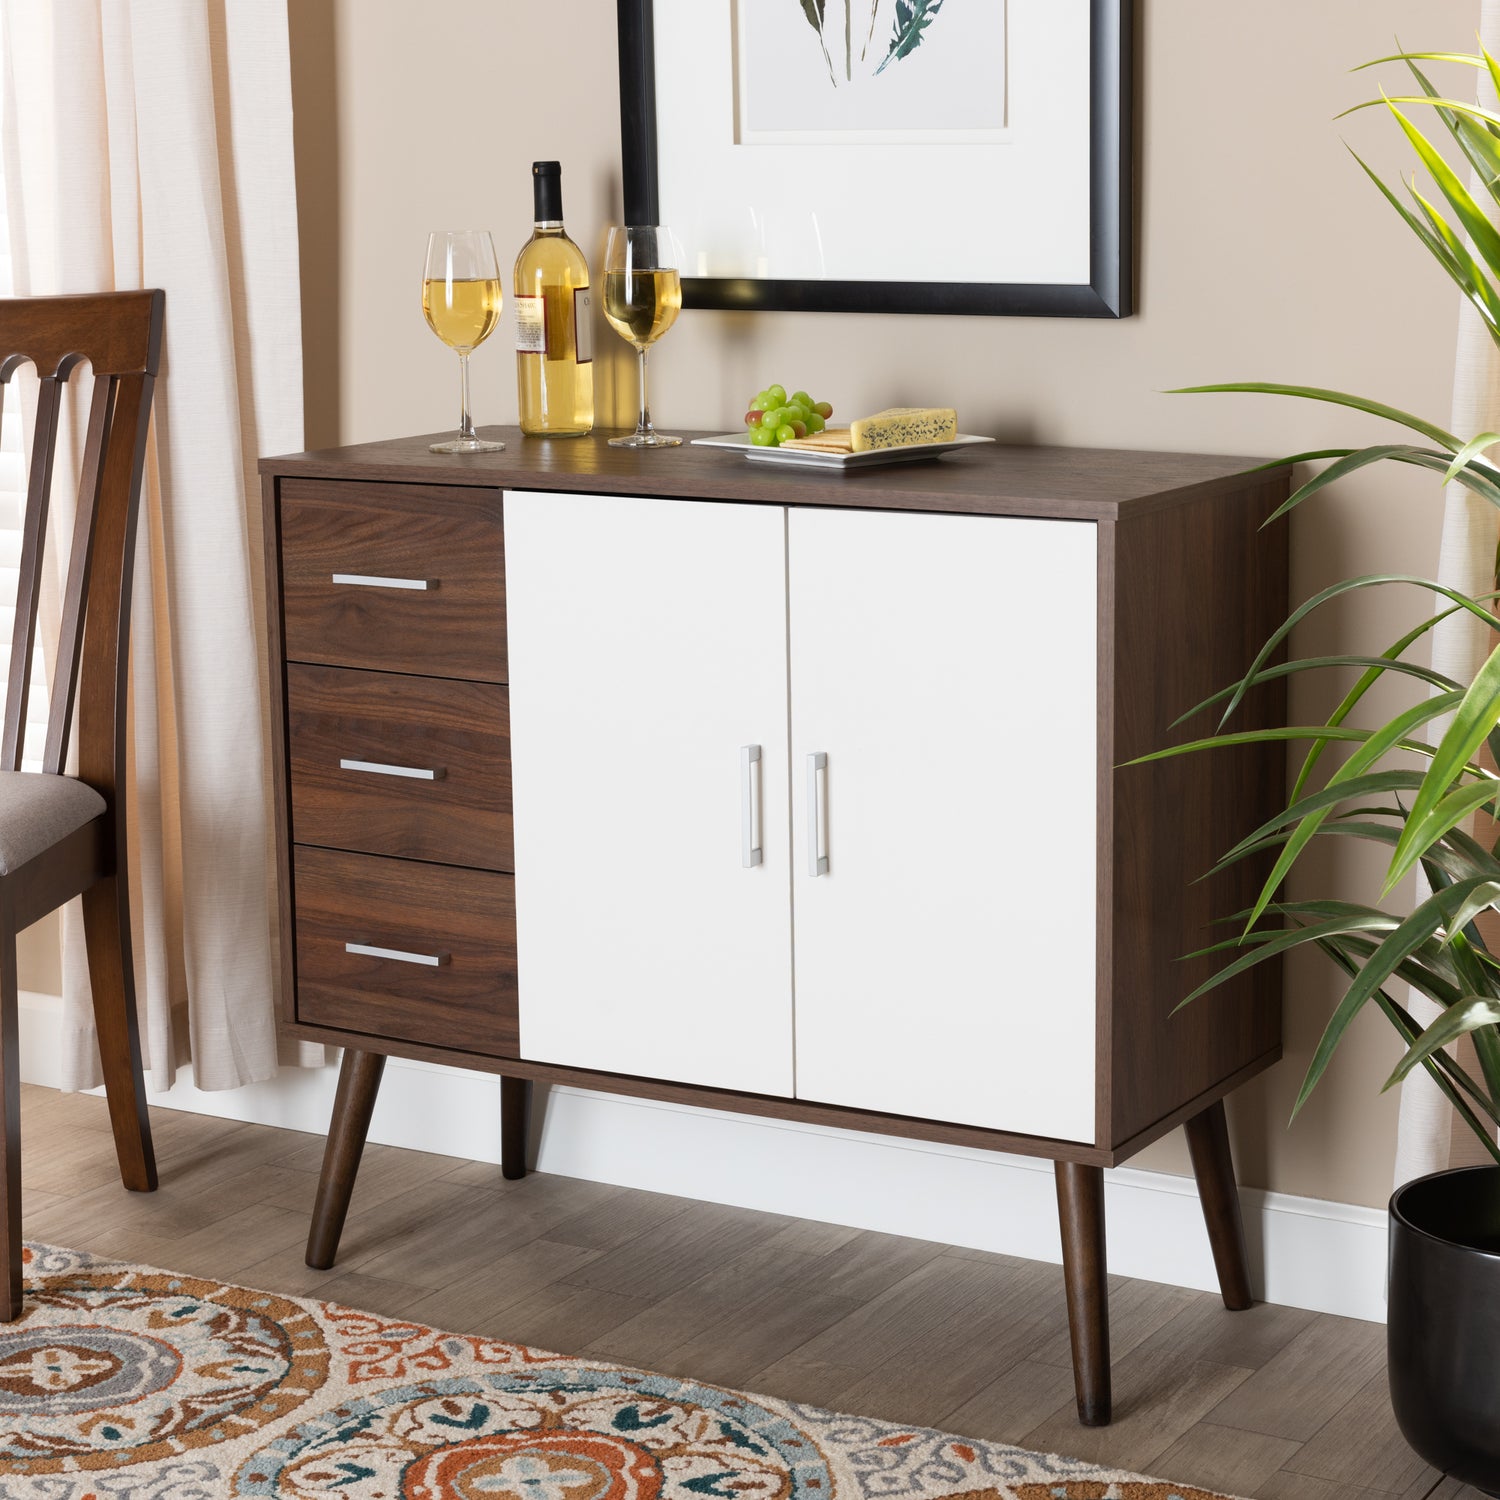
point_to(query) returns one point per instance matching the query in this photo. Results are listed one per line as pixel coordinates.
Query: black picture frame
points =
(1109, 292)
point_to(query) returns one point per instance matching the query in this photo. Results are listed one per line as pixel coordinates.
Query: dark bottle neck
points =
(546, 185)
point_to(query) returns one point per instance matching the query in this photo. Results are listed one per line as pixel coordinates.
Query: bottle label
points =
(583, 324)
(531, 325)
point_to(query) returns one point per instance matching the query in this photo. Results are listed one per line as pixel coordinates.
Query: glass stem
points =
(643, 424)
(465, 421)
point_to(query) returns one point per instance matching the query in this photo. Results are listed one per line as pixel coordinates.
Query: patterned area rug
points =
(126, 1383)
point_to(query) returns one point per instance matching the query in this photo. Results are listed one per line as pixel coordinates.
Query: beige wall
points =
(1264, 255)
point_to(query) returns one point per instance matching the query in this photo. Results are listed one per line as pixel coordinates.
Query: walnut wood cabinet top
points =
(1067, 483)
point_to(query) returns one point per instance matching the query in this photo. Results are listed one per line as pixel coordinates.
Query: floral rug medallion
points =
(126, 1383)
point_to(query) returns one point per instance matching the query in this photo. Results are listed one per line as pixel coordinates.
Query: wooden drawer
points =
(440, 611)
(466, 919)
(354, 734)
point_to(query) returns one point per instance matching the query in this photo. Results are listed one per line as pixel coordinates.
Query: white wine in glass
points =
(461, 300)
(642, 297)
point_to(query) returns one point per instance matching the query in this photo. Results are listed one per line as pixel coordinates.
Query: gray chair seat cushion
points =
(37, 811)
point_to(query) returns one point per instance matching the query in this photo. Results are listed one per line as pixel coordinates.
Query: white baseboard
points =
(1305, 1252)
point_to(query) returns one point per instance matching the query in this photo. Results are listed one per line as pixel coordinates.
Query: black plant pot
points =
(1443, 1332)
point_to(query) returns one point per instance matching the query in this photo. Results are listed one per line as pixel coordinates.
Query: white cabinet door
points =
(945, 666)
(647, 648)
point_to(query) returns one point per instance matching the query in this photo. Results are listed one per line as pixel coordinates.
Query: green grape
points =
(781, 417)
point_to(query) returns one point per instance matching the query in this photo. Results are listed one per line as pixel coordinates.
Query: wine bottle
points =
(554, 327)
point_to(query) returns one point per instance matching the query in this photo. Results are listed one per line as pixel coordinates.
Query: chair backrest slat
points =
(29, 582)
(119, 334)
(80, 559)
(104, 672)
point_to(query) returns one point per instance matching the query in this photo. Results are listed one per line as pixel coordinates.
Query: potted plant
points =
(1415, 798)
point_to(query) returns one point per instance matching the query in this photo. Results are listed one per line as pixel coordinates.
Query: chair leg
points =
(10, 1128)
(1080, 1206)
(515, 1112)
(1213, 1166)
(106, 927)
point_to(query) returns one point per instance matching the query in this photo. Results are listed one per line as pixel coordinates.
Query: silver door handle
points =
(429, 960)
(379, 768)
(817, 776)
(751, 853)
(370, 581)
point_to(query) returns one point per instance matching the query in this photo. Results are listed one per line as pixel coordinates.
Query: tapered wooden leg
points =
(10, 1125)
(1080, 1207)
(106, 929)
(353, 1104)
(1213, 1166)
(515, 1115)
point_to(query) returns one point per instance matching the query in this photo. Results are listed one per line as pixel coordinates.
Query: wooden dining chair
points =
(63, 836)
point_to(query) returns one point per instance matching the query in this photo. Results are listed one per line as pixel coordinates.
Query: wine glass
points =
(461, 300)
(642, 297)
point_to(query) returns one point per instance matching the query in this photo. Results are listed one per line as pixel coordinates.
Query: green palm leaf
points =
(1390, 734)
(1480, 899)
(1367, 680)
(1438, 435)
(1380, 966)
(1435, 807)
(1472, 449)
(1465, 1016)
(1461, 267)
(1334, 591)
(1475, 139)
(1377, 664)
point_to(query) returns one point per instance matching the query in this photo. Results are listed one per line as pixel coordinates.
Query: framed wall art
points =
(939, 156)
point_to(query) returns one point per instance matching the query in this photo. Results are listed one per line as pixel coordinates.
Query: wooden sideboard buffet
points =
(794, 793)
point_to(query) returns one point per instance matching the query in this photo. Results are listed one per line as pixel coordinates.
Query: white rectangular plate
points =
(808, 458)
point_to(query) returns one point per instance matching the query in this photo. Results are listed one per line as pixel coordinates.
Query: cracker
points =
(830, 440)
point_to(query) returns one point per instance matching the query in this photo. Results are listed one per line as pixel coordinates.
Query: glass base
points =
(466, 445)
(645, 440)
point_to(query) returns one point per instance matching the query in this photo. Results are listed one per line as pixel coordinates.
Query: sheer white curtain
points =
(1432, 1136)
(149, 143)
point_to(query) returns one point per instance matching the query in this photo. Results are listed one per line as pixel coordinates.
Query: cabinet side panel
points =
(647, 650)
(281, 797)
(1198, 589)
(945, 667)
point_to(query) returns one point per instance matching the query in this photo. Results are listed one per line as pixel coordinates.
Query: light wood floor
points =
(1274, 1403)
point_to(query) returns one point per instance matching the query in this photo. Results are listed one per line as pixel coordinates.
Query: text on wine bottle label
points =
(531, 324)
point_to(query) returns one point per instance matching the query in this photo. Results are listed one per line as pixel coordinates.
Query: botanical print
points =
(912, 18)
(877, 69)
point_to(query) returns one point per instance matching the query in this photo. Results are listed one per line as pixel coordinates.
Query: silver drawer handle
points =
(751, 853)
(370, 581)
(817, 775)
(429, 960)
(379, 768)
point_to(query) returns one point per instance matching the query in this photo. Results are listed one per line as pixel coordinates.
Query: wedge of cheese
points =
(904, 425)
